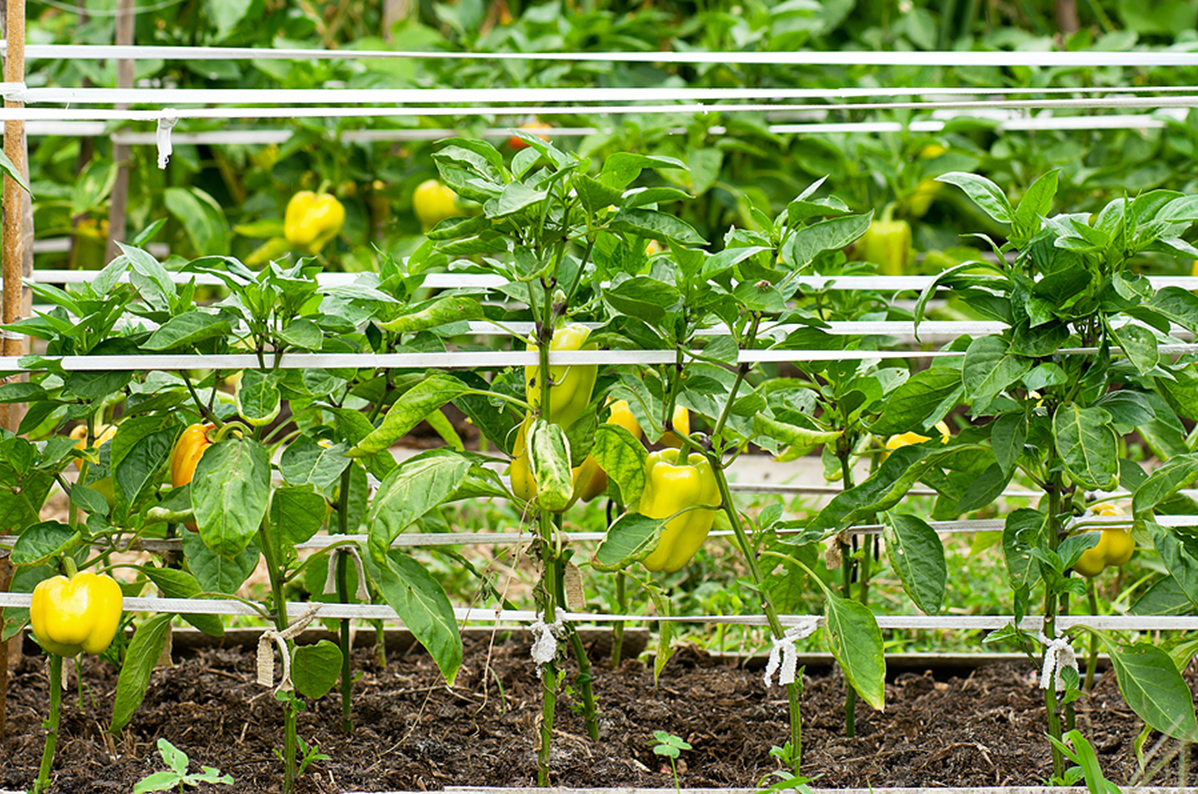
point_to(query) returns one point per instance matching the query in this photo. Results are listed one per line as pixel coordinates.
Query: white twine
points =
(266, 656)
(166, 122)
(13, 92)
(784, 657)
(544, 640)
(16, 336)
(1058, 654)
(330, 582)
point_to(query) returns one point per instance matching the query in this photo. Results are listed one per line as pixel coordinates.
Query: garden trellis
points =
(173, 118)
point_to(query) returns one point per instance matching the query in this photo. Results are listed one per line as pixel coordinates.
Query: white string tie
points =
(330, 581)
(266, 656)
(15, 336)
(166, 123)
(784, 657)
(544, 640)
(15, 92)
(1058, 654)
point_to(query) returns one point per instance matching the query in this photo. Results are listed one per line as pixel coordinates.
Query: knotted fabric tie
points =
(784, 657)
(266, 656)
(1058, 654)
(544, 640)
(330, 581)
(166, 123)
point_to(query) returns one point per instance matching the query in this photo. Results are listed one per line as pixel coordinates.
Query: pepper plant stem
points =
(347, 712)
(793, 690)
(846, 587)
(280, 604)
(43, 776)
(549, 558)
(1092, 662)
(1050, 614)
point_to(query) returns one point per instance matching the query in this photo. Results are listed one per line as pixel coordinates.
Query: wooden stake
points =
(14, 248)
(118, 206)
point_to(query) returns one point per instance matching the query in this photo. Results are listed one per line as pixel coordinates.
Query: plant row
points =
(243, 466)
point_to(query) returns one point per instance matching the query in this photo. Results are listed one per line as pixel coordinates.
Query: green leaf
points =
(258, 398)
(140, 451)
(1035, 205)
(834, 234)
(409, 410)
(421, 604)
(1140, 346)
(917, 556)
(1007, 436)
(1021, 532)
(1154, 689)
(297, 513)
(140, 658)
(38, 543)
(631, 538)
(1173, 475)
(515, 197)
(623, 457)
(10, 169)
(158, 781)
(316, 668)
(984, 193)
(642, 297)
(990, 366)
(202, 218)
(1088, 445)
(306, 462)
(174, 583)
(854, 639)
(1179, 553)
(597, 196)
(915, 400)
(185, 330)
(622, 168)
(656, 226)
(230, 494)
(415, 487)
(215, 573)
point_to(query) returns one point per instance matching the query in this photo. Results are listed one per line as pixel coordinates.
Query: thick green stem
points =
(347, 681)
(590, 718)
(794, 690)
(1092, 662)
(1050, 631)
(617, 629)
(549, 561)
(43, 776)
(271, 556)
(846, 589)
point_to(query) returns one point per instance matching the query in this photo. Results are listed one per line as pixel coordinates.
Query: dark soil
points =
(413, 733)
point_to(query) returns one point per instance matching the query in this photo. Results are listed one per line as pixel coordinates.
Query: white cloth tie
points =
(266, 656)
(784, 657)
(1058, 654)
(544, 640)
(166, 123)
(330, 581)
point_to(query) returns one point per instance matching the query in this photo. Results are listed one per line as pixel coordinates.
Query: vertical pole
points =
(117, 208)
(14, 248)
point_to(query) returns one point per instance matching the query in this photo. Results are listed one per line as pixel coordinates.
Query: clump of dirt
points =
(414, 733)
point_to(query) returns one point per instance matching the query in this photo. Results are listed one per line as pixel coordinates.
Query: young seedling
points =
(176, 777)
(671, 747)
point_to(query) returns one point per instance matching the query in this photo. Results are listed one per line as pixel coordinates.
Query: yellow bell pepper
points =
(312, 220)
(570, 387)
(887, 244)
(682, 423)
(590, 478)
(669, 487)
(77, 614)
(434, 202)
(1115, 545)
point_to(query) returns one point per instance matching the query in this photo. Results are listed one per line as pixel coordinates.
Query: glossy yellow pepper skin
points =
(682, 423)
(82, 613)
(186, 455)
(669, 487)
(434, 202)
(312, 221)
(887, 244)
(1115, 546)
(591, 479)
(570, 386)
(907, 439)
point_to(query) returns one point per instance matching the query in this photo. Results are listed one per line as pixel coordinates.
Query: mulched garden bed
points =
(985, 728)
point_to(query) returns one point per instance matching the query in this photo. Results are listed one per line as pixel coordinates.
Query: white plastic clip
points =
(266, 656)
(330, 582)
(784, 657)
(1058, 654)
(544, 640)
(166, 123)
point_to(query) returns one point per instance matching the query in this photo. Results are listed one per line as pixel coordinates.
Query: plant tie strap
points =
(166, 123)
(266, 656)
(1058, 654)
(784, 657)
(544, 640)
(330, 581)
